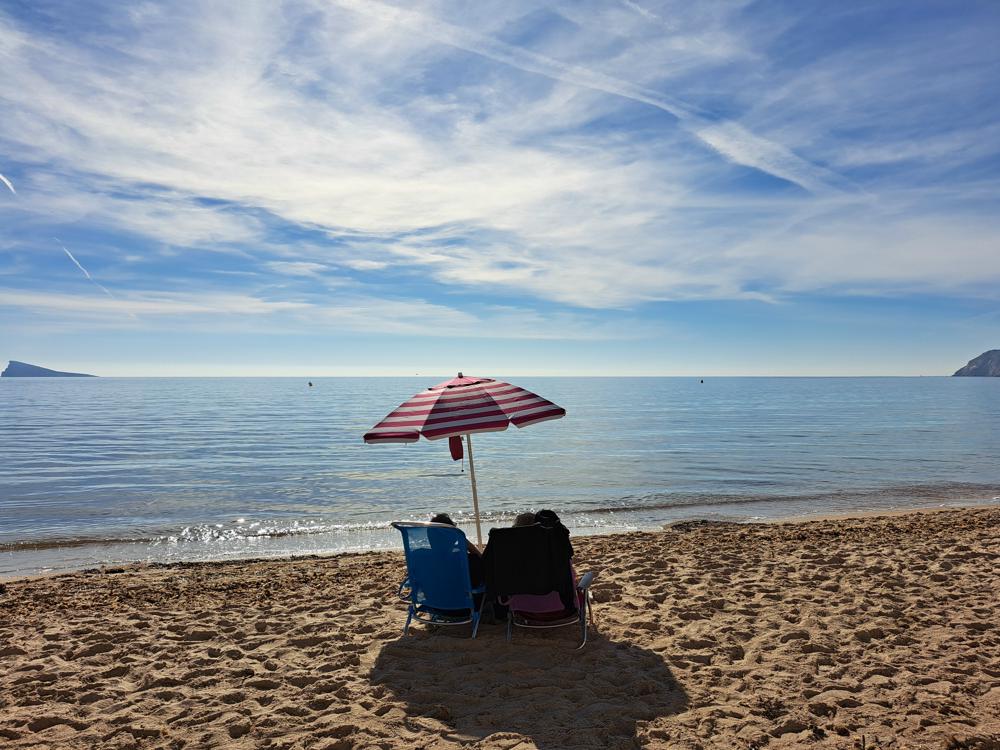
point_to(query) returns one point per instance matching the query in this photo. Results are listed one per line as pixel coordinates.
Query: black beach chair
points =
(529, 570)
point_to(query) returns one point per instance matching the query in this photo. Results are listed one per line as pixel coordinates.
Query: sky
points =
(620, 187)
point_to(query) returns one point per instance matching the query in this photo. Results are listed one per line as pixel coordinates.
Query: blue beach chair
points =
(437, 585)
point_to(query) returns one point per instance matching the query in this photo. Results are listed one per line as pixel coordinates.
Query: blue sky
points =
(615, 187)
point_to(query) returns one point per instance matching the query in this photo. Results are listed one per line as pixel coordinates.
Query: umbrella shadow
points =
(538, 686)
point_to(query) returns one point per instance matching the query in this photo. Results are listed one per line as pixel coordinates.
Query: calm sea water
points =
(107, 470)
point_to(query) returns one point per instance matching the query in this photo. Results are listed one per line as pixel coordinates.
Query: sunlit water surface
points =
(110, 470)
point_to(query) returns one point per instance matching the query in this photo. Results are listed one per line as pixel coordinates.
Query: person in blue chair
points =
(476, 572)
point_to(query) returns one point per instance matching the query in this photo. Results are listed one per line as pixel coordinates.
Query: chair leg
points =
(510, 625)
(583, 623)
(477, 615)
(409, 616)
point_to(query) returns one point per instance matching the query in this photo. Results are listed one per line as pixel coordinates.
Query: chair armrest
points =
(404, 585)
(584, 583)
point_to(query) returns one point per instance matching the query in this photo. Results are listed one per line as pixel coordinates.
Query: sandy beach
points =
(877, 632)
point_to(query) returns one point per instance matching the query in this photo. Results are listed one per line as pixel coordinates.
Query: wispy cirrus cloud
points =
(57, 198)
(296, 268)
(590, 155)
(364, 264)
(728, 138)
(348, 313)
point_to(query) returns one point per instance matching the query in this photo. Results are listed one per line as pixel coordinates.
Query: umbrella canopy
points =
(463, 406)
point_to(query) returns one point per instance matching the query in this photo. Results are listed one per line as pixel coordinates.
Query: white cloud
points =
(296, 268)
(912, 255)
(346, 314)
(53, 199)
(144, 303)
(730, 139)
(432, 140)
(420, 318)
(362, 264)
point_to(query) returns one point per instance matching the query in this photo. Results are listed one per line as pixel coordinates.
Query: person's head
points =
(524, 519)
(443, 518)
(547, 519)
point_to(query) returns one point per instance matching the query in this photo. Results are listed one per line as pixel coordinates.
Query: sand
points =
(880, 632)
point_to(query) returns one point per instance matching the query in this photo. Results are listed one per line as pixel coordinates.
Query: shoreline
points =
(577, 534)
(713, 635)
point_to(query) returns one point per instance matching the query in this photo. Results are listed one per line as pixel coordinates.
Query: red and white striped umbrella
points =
(463, 406)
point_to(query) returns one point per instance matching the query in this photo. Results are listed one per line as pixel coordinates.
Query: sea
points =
(107, 471)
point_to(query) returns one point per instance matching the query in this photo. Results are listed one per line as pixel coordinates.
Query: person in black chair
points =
(525, 519)
(530, 568)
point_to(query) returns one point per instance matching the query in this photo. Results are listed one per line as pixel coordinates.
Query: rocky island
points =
(17, 369)
(986, 364)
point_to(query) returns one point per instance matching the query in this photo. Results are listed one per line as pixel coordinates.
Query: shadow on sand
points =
(487, 691)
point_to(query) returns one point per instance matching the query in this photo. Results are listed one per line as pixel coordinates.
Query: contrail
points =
(727, 138)
(8, 183)
(87, 274)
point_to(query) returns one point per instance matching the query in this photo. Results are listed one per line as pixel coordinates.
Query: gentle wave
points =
(919, 493)
(648, 506)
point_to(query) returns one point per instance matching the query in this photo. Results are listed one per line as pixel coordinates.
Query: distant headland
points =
(17, 369)
(986, 365)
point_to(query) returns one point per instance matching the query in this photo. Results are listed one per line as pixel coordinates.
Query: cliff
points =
(17, 369)
(986, 364)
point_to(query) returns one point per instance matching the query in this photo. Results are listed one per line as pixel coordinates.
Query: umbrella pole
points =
(475, 495)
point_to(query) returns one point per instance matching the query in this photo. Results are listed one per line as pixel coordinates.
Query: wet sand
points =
(873, 632)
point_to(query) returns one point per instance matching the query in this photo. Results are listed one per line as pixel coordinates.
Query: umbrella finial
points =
(460, 375)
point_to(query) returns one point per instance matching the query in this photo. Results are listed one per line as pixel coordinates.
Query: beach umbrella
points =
(461, 407)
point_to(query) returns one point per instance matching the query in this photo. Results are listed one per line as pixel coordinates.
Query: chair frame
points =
(424, 613)
(585, 612)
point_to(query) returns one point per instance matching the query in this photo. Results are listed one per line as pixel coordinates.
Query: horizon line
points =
(440, 375)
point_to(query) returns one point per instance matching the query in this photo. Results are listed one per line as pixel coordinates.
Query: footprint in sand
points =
(696, 644)
(46, 722)
(98, 648)
(263, 684)
(865, 635)
(794, 635)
